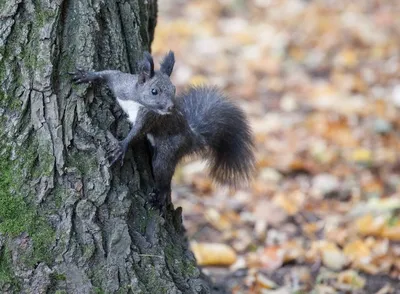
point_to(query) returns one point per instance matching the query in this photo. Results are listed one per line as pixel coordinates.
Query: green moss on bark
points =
(85, 163)
(43, 236)
(98, 290)
(186, 266)
(17, 215)
(7, 276)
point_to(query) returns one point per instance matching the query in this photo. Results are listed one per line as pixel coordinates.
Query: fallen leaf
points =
(310, 229)
(270, 212)
(387, 289)
(213, 254)
(368, 225)
(291, 203)
(392, 231)
(264, 282)
(357, 250)
(350, 280)
(282, 290)
(324, 289)
(217, 220)
(362, 156)
(332, 256)
(293, 250)
(272, 257)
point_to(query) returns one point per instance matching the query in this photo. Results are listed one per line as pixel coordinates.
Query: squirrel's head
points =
(157, 92)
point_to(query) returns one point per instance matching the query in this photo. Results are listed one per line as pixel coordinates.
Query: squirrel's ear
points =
(167, 65)
(146, 67)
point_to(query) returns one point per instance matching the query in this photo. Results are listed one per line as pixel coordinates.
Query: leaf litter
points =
(320, 83)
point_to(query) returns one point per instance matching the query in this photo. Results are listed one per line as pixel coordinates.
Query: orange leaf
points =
(392, 231)
(357, 250)
(368, 225)
(272, 257)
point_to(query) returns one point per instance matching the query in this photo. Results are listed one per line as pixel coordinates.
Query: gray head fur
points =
(155, 89)
(167, 65)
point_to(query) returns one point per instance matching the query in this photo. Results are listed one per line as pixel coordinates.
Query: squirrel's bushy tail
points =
(222, 128)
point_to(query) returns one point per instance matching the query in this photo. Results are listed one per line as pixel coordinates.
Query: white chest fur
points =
(131, 108)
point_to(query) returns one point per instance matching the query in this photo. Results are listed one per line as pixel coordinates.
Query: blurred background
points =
(320, 83)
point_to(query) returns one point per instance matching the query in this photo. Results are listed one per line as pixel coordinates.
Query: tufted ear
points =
(167, 65)
(146, 68)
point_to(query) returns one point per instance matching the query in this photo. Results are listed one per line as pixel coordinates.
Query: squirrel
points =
(199, 121)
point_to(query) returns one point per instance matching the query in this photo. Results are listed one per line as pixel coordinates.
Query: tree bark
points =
(69, 223)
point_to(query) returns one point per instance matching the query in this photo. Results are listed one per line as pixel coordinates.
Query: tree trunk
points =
(68, 222)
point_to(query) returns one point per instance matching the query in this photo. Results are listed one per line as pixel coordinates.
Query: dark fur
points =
(207, 123)
(220, 126)
(146, 68)
(167, 65)
(203, 121)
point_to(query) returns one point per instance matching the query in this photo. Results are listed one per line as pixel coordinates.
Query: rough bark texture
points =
(68, 222)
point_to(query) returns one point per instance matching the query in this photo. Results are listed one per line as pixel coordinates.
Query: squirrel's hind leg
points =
(163, 167)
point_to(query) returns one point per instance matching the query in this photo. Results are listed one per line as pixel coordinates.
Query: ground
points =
(320, 83)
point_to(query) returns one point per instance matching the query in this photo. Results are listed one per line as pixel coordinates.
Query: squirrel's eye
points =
(154, 91)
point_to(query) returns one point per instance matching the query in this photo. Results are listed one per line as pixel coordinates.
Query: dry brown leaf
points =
(323, 100)
(392, 231)
(332, 256)
(217, 220)
(368, 225)
(291, 203)
(282, 290)
(384, 263)
(213, 254)
(293, 250)
(362, 156)
(357, 250)
(324, 289)
(347, 57)
(264, 283)
(310, 229)
(350, 280)
(337, 235)
(368, 268)
(272, 257)
(270, 212)
(387, 289)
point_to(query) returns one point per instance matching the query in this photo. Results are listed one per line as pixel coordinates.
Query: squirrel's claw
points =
(114, 156)
(79, 76)
(118, 153)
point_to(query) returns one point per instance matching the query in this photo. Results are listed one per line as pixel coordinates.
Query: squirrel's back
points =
(221, 128)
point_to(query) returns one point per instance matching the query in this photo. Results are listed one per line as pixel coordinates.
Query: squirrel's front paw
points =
(80, 76)
(118, 153)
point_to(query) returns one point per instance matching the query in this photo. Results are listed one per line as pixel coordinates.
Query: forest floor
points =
(320, 82)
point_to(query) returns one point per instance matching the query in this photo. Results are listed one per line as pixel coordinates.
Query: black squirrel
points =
(201, 120)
